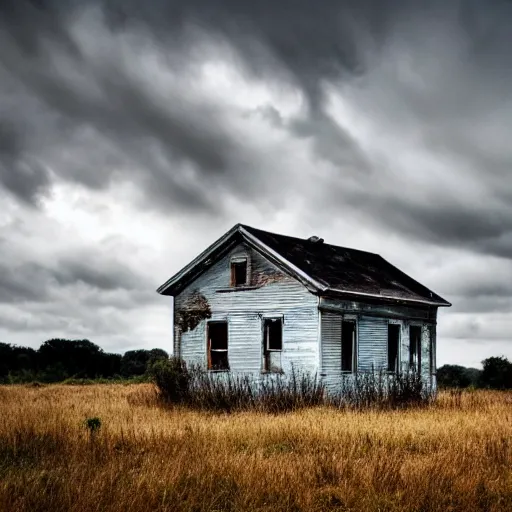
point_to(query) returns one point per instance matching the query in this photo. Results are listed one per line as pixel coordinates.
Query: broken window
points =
(239, 272)
(393, 347)
(348, 346)
(272, 344)
(218, 346)
(415, 347)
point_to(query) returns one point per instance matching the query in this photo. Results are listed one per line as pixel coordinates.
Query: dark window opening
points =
(218, 346)
(393, 347)
(239, 273)
(348, 346)
(415, 347)
(432, 354)
(272, 344)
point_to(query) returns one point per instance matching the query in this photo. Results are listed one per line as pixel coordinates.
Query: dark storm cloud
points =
(92, 116)
(31, 281)
(20, 174)
(484, 228)
(74, 94)
(106, 116)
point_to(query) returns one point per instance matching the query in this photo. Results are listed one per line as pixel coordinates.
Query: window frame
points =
(237, 260)
(432, 353)
(209, 350)
(398, 348)
(265, 342)
(355, 347)
(415, 363)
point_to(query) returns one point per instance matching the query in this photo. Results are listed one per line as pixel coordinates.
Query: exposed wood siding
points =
(331, 343)
(372, 343)
(425, 350)
(271, 293)
(245, 342)
(330, 348)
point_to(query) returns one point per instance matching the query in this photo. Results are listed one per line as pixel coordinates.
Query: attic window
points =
(238, 271)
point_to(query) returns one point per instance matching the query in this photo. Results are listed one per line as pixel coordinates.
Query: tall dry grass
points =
(454, 455)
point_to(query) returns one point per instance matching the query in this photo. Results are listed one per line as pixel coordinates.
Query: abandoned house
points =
(258, 302)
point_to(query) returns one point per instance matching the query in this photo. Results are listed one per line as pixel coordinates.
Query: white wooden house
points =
(258, 302)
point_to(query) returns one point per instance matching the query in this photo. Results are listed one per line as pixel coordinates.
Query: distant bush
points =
(455, 376)
(73, 361)
(496, 373)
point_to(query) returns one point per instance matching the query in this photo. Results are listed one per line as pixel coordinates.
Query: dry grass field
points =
(454, 455)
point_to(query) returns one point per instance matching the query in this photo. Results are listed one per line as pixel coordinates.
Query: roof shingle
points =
(346, 270)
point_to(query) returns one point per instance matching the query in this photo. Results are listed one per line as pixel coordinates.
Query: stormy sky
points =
(133, 134)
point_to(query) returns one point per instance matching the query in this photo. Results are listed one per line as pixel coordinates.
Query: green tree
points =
(452, 376)
(456, 376)
(496, 373)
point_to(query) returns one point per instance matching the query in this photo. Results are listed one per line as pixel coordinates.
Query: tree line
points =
(496, 373)
(60, 359)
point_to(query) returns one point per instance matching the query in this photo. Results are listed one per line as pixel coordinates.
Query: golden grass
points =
(455, 455)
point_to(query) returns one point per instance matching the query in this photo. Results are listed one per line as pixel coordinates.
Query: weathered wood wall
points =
(271, 293)
(372, 332)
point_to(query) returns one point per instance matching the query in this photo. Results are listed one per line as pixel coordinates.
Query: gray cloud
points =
(33, 281)
(20, 174)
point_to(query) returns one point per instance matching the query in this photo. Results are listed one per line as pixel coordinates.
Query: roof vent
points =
(315, 239)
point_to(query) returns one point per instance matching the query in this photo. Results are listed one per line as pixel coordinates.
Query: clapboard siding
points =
(245, 342)
(372, 344)
(330, 328)
(274, 293)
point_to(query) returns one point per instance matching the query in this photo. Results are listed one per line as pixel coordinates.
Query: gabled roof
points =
(323, 268)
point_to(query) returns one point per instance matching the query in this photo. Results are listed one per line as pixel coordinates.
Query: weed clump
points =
(194, 386)
(382, 390)
(92, 424)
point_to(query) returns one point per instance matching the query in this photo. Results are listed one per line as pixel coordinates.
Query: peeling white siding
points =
(272, 293)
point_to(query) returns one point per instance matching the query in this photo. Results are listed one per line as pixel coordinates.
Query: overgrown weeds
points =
(227, 392)
(198, 388)
(381, 390)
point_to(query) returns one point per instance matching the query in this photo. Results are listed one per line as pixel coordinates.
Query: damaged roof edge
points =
(197, 260)
(254, 242)
(441, 303)
(438, 299)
